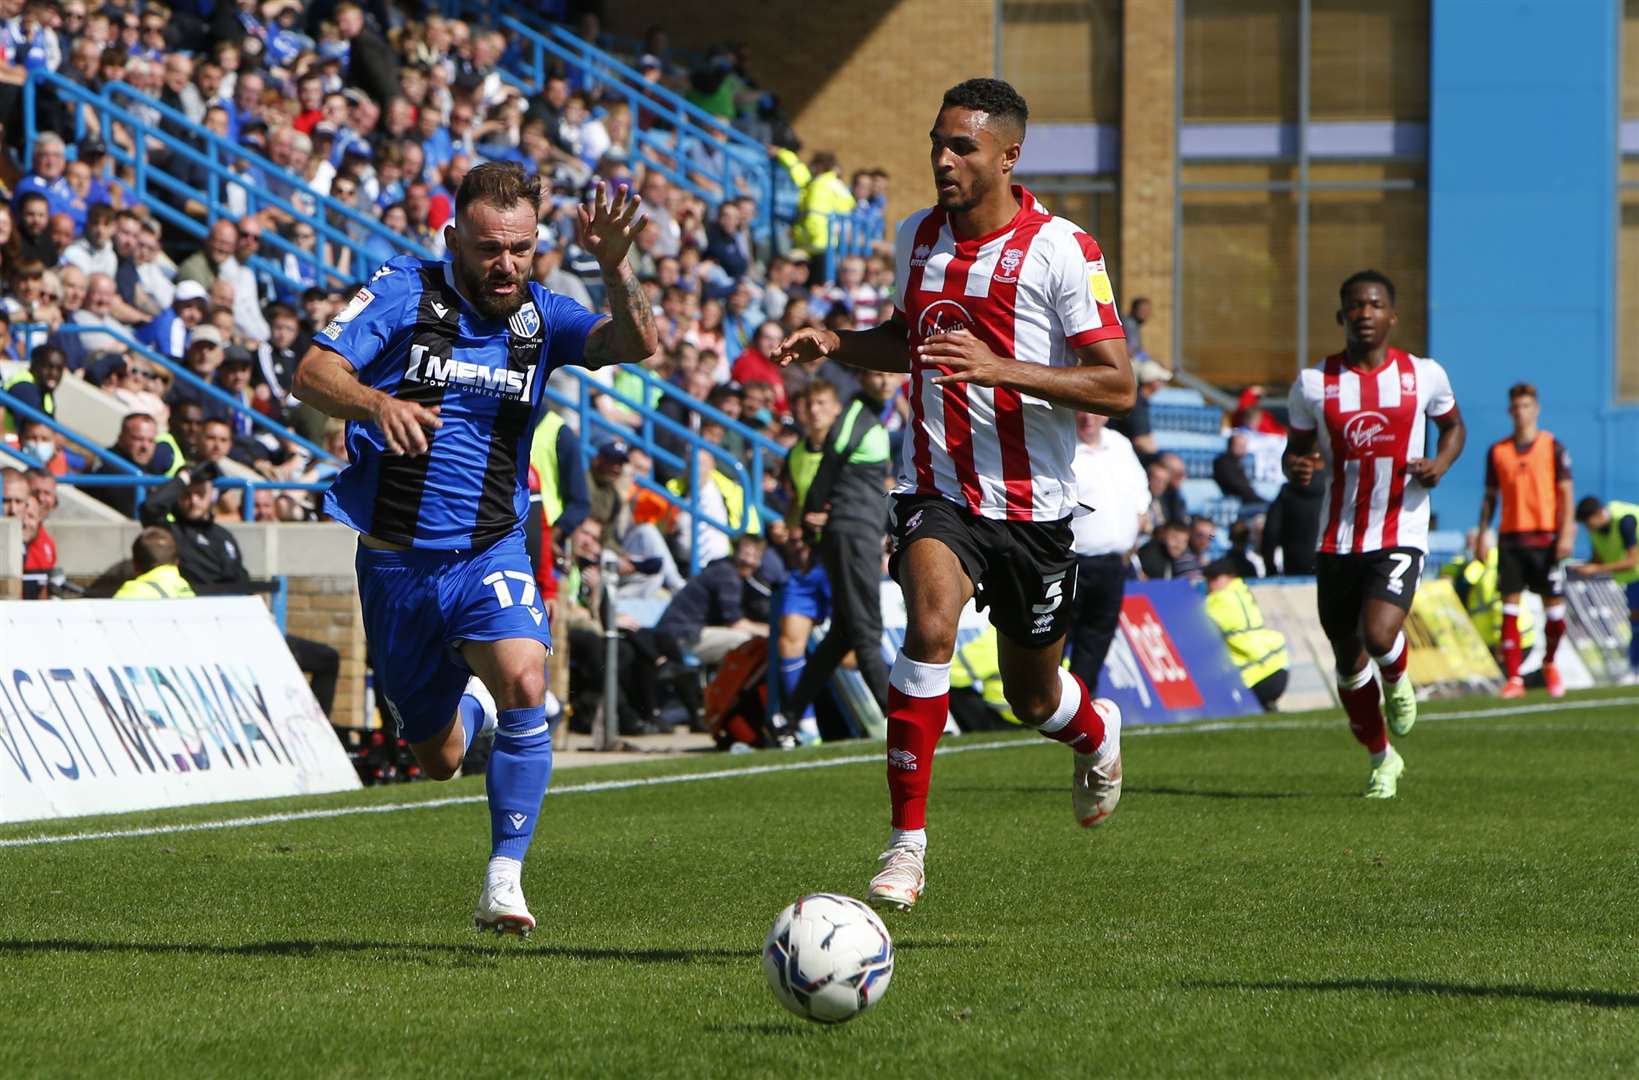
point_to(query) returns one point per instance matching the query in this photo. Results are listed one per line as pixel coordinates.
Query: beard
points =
(475, 286)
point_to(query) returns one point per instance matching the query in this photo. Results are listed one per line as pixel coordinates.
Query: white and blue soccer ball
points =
(828, 958)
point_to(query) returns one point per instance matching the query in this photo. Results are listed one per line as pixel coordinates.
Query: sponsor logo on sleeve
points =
(355, 307)
(1098, 283)
(919, 257)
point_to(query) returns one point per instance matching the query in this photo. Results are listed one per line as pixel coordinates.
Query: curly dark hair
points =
(1365, 277)
(993, 96)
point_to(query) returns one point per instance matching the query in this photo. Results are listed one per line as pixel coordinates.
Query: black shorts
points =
(1343, 584)
(1024, 571)
(1535, 568)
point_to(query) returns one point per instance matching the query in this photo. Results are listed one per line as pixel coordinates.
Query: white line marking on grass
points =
(1209, 726)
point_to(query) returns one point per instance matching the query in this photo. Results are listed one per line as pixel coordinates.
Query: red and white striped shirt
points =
(1374, 422)
(1034, 290)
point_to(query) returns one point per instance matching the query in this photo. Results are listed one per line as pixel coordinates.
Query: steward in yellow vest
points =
(1258, 650)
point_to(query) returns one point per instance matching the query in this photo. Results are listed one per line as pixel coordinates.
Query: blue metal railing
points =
(217, 157)
(261, 420)
(592, 424)
(143, 482)
(26, 411)
(692, 148)
(855, 233)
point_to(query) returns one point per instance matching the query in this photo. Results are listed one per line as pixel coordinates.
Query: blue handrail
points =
(853, 233)
(214, 156)
(29, 412)
(644, 439)
(143, 482)
(277, 429)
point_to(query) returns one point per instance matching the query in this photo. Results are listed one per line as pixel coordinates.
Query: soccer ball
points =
(828, 958)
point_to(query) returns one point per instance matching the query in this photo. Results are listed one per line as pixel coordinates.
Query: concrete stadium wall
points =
(861, 77)
(1522, 230)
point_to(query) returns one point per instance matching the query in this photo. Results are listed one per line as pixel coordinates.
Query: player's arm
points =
(1101, 382)
(1453, 434)
(884, 347)
(1567, 499)
(607, 229)
(326, 381)
(1630, 536)
(1301, 458)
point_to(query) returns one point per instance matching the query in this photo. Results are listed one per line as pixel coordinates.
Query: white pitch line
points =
(1205, 727)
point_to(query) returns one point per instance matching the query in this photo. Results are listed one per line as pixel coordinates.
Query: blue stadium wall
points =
(1523, 219)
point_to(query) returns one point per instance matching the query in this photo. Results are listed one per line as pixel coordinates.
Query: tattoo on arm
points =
(629, 336)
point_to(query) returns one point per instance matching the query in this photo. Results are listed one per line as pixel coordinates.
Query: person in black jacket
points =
(846, 509)
(1292, 527)
(722, 607)
(210, 560)
(371, 63)
(1229, 471)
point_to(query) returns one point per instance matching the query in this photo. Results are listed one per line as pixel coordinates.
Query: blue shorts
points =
(419, 606)
(1633, 595)
(808, 593)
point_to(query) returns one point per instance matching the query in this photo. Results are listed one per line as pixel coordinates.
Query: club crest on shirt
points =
(943, 317)
(525, 322)
(1007, 269)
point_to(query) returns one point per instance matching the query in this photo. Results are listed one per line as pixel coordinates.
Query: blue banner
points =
(1168, 663)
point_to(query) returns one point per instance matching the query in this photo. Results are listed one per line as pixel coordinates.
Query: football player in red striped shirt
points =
(1361, 417)
(1005, 319)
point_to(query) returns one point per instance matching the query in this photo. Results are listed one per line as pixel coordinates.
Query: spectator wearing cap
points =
(203, 357)
(168, 332)
(548, 270)
(1152, 376)
(156, 575)
(46, 178)
(646, 563)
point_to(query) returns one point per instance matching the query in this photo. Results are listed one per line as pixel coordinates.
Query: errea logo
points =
(919, 257)
(430, 369)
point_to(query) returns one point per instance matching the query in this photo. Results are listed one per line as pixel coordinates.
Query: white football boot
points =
(501, 908)
(1096, 786)
(902, 879)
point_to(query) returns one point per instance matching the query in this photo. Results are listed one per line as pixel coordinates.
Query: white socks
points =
(916, 838)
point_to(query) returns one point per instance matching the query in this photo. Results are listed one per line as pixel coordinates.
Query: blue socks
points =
(471, 712)
(791, 668)
(520, 767)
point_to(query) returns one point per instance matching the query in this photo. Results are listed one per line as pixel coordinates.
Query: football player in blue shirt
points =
(438, 367)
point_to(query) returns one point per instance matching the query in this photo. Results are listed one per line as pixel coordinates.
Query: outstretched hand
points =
(609, 225)
(806, 346)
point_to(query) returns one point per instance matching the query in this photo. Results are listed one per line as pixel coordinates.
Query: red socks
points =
(1555, 613)
(1360, 701)
(1075, 723)
(1510, 640)
(918, 706)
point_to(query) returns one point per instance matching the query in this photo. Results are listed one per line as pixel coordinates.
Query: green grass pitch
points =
(1244, 914)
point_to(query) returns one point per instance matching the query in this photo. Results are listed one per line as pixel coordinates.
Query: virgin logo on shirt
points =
(943, 317)
(1363, 431)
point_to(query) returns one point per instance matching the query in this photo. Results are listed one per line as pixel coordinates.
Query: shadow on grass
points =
(1603, 999)
(404, 950)
(1190, 793)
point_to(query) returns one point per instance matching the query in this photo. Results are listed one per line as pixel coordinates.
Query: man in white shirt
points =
(1110, 480)
(94, 252)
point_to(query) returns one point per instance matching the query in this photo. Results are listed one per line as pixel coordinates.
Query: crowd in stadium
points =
(386, 115)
